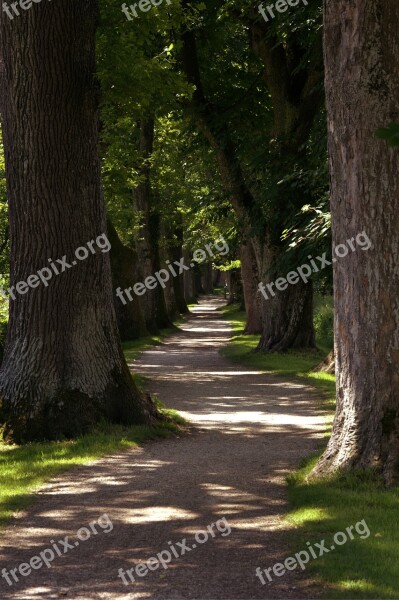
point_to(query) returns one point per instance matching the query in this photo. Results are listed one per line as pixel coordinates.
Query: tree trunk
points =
(287, 317)
(161, 313)
(170, 300)
(130, 317)
(217, 276)
(232, 286)
(327, 365)
(142, 200)
(362, 64)
(189, 281)
(207, 278)
(296, 91)
(63, 369)
(175, 249)
(249, 276)
(288, 320)
(198, 289)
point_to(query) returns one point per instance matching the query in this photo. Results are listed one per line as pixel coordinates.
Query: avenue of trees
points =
(198, 120)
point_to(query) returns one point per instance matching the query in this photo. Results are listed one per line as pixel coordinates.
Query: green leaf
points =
(390, 133)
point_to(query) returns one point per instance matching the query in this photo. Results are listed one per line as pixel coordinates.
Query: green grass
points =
(24, 469)
(324, 321)
(219, 291)
(295, 364)
(361, 568)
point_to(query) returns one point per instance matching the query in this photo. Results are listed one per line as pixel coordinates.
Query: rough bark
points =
(130, 317)
(178, 287)
(327, 365)
(362, 64)
(63, 368)
(249, 276)
(170, 300)
(288, 319)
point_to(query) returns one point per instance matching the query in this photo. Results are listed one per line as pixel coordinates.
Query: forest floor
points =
(248, 431)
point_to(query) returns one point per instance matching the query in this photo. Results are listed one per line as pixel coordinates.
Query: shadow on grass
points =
(293, 364)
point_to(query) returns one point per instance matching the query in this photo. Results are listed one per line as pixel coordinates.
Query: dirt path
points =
(250, 430)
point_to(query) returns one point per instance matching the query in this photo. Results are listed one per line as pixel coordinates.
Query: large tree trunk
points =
(287, 317)
(63, 369)
(130, 317)
(249, 276)
(288, 320)
(362, 64)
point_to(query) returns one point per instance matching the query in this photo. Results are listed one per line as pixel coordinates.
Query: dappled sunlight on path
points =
(248, 431)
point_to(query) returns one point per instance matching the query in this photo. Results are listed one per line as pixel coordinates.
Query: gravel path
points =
(249, 430)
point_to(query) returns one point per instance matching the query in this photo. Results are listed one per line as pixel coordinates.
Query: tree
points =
(249, 276)
(211, 124)
(129, 314)
(149, 233)
(63, 369)
(293, 75)
(362, 88)
(258, 148)
(136, 96)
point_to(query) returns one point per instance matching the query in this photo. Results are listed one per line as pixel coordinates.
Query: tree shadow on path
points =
(248, 431)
